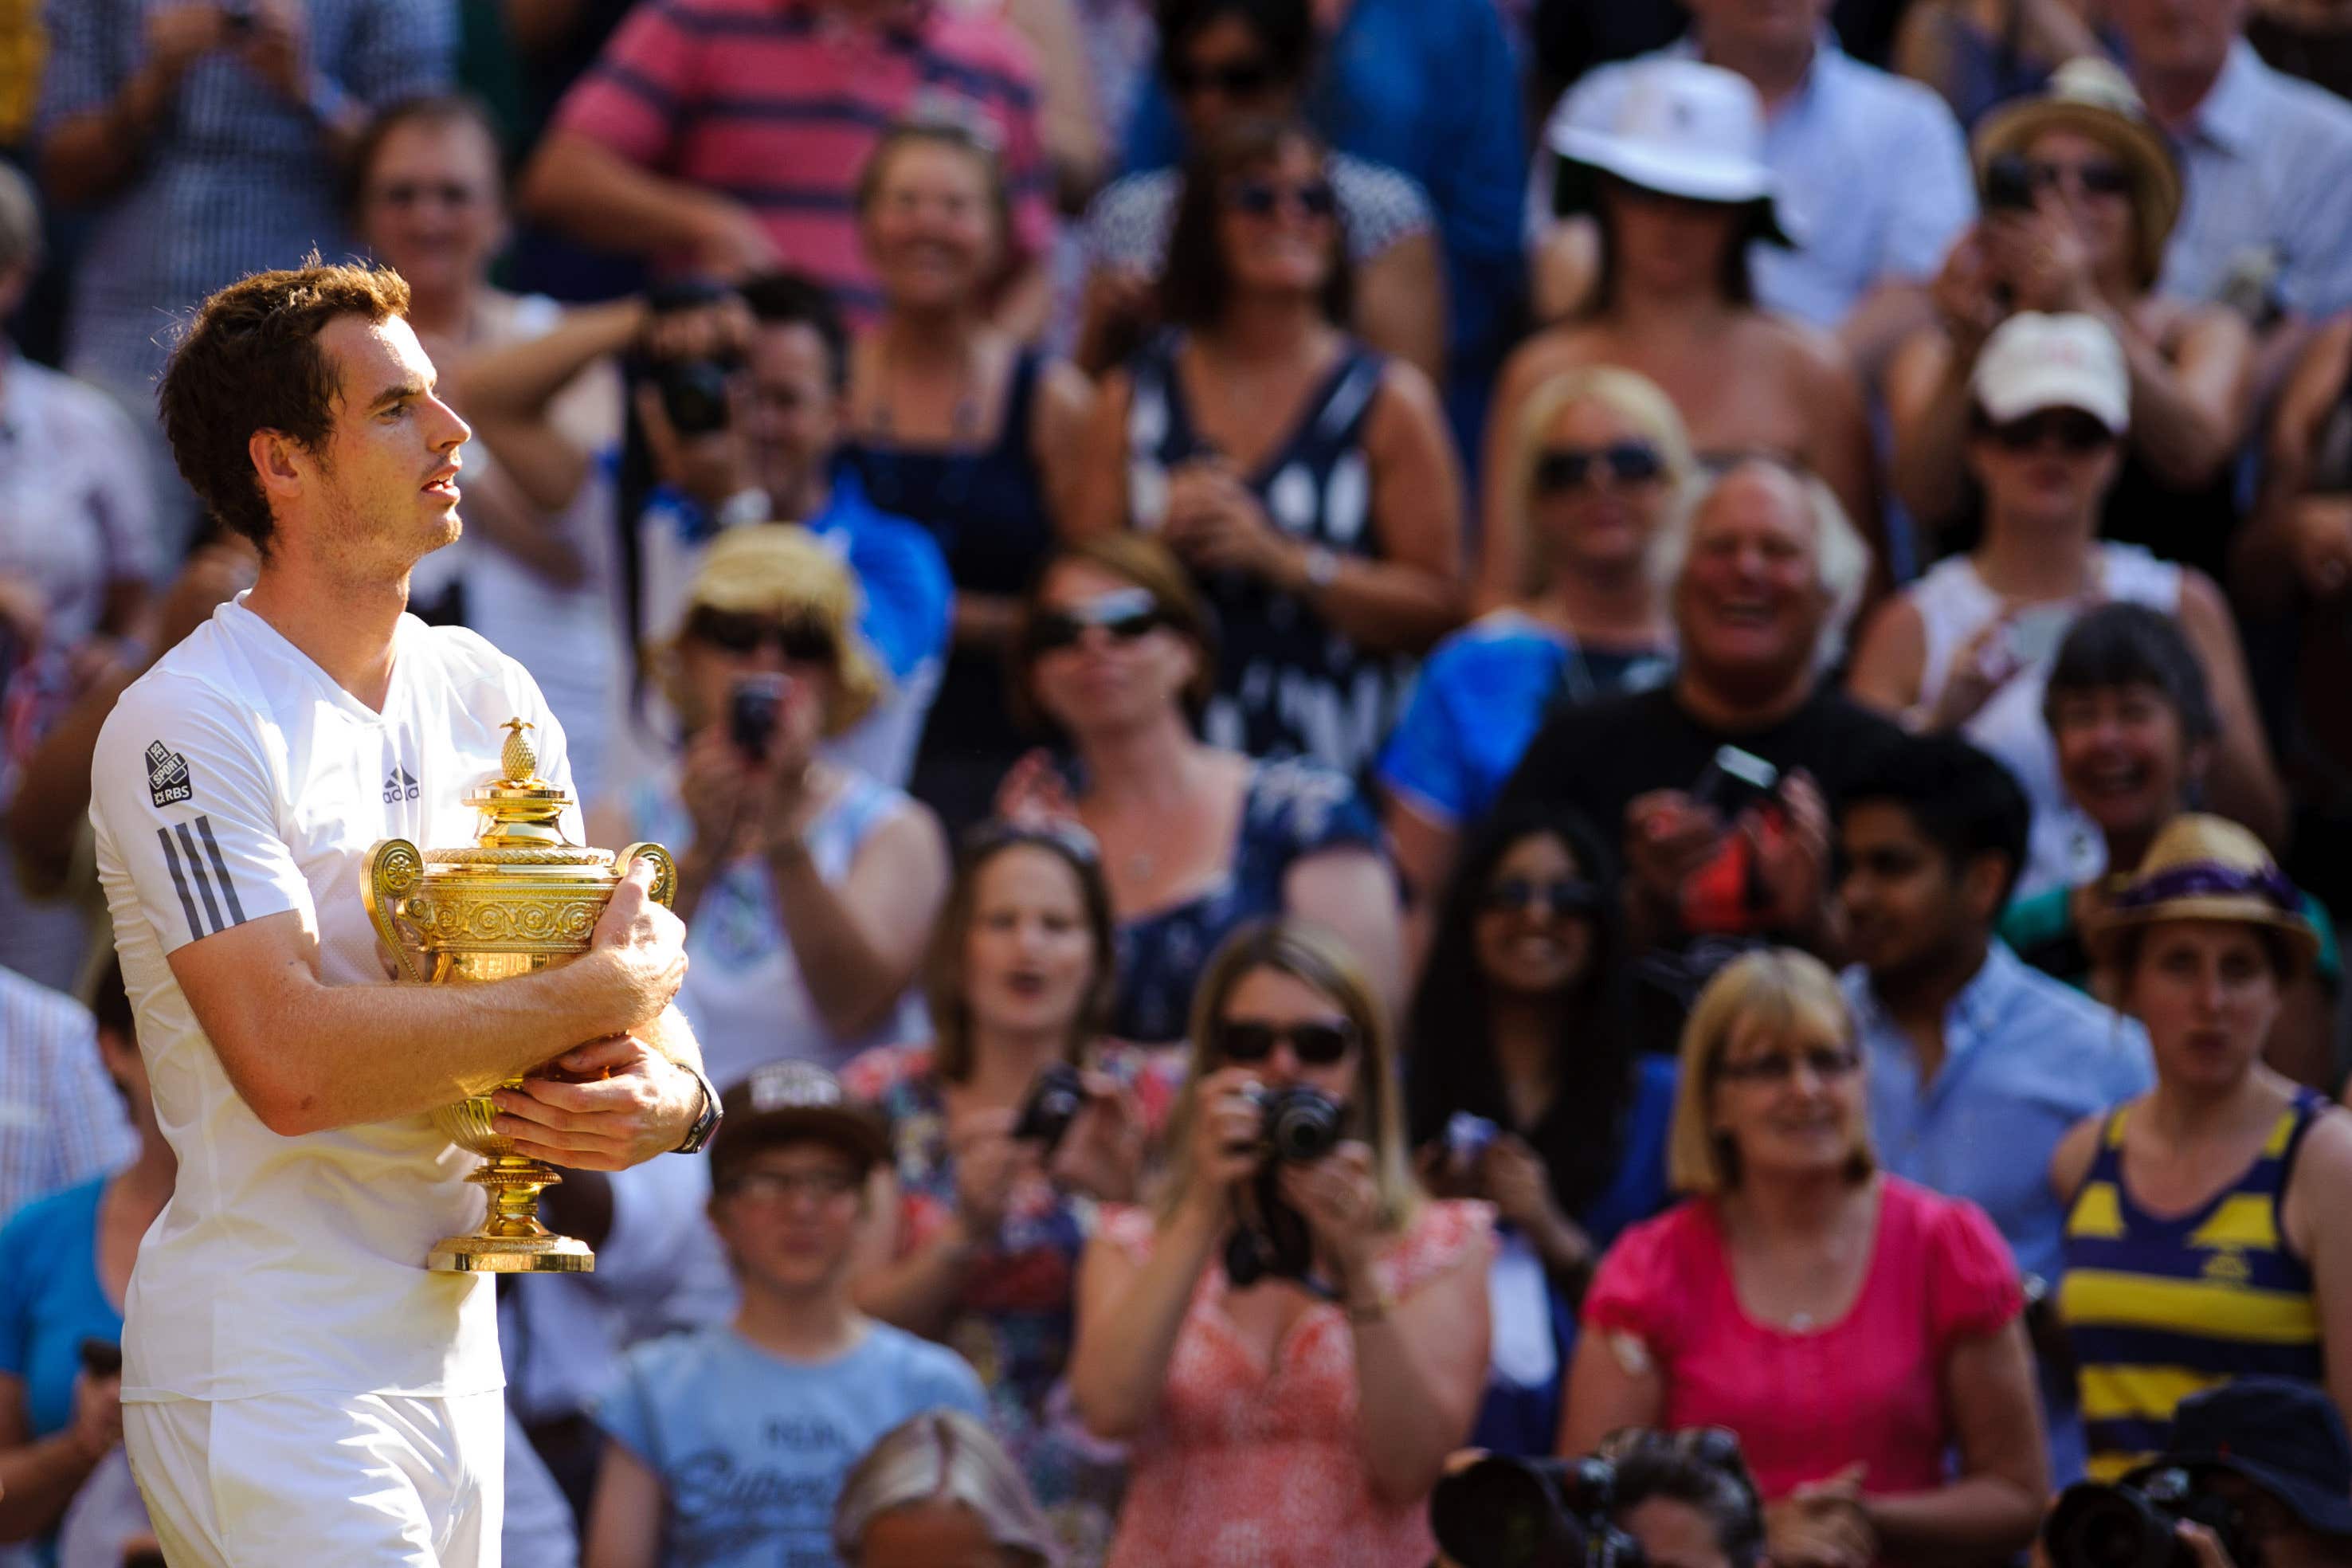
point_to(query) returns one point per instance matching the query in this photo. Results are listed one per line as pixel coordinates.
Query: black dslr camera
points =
(1055, 1097)
(1532, 1513)
(1300, 1125)
(695, 393)
(2096, 1525)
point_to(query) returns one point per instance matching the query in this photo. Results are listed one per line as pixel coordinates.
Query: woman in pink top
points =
(1852, 1329)
(1293, 1422)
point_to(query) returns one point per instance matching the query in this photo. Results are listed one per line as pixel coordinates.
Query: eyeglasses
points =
(2097, 179)
(1315, 1045)
(1236, 78)
(1560, 896)
(1263, 199)
(800, 641)
(1127, 616)
(1828, 1063)
(773, 1187)
(409, 193)
(2074, 431)
(1561, 469)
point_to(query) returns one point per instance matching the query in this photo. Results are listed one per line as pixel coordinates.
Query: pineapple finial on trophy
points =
(519, 761)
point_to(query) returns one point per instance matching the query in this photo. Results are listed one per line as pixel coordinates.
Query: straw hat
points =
(2092, 96)
(1686, 129)
(2205, 868)
(781, 569)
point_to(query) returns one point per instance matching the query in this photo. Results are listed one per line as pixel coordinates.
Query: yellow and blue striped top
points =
(2158, 1309)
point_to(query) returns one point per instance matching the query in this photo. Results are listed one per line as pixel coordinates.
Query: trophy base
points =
(511, 1255)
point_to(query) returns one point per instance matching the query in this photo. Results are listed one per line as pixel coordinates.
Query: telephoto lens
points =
(1531, 1513)
(2099, 1526)
(1055, 1097)
(1302, 1124)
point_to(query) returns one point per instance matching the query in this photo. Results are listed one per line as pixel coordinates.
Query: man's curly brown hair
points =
(251, 361)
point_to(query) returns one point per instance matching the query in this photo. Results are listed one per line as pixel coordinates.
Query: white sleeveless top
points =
(1953, 603)
(744, 992)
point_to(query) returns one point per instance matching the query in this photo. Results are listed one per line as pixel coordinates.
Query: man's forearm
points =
(576, 185)
(92, 155)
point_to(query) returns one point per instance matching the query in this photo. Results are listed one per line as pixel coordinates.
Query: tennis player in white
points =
(297, 1388)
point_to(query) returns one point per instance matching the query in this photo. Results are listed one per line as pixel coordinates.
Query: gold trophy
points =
(518, 901)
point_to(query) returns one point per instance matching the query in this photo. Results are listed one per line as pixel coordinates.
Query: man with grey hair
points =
(1718, 782)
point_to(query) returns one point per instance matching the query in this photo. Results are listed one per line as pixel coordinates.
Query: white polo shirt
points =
(234, 780)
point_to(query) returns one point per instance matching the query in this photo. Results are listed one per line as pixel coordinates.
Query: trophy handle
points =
(393, 869)
(665, 878)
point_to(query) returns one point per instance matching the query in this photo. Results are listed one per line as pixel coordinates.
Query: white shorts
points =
(295, 1480)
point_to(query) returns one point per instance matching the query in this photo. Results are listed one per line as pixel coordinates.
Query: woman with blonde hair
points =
(809, 887)
(1852, 1329)
(935, 1490)
(1294, 1338)
(1598, 462)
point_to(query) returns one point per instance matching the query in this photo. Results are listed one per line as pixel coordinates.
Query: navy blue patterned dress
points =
(1288, 684)
(1291, 809)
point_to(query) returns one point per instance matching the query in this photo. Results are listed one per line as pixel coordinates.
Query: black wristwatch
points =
(706, 1125)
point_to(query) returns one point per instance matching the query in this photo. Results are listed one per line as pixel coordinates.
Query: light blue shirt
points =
(752, 1449)
(2025, 1057)
(2263, 162)
(1870, 177)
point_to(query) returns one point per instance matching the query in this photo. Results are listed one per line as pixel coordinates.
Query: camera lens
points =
(1302, 1124)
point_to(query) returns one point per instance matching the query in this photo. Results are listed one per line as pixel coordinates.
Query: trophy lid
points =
(521, 806)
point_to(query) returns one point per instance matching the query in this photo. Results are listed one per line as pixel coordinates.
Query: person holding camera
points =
(1294, 1337)
(2204, 1228)
(65, 1262)
(1967, 647)
(1007, 1130)
(808, 887)
(2255, 1471)
(1645, 1499)
(1857, 1332)
(2131, 719)
(2081, 193)
(954, 425)
(1118, 652)
(1523, 1085)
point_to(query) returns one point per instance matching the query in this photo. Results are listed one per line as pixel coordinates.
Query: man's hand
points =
(729, 241)
(2203, 1544)
(1795, 862)
(276, 52)
(644, 944)
(635, 1103)
(177, 35)
(97, 1413)
(1668, 835)
(710, 467)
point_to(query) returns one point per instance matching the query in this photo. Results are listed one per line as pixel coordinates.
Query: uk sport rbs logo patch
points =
(167, 775)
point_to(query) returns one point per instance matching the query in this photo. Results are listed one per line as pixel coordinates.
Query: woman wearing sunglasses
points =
(954, 425)
(1117, 655)
(1599, 462)
(1294, 1421)
(1306, 480)
(1968, 646)
(1224, 60)
(808, 888)
(984, 1213)
(2081, 192)
(1522, 1088)
(1864, 1337)
(1681, 189)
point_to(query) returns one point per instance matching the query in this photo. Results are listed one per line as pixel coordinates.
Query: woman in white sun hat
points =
(1968, 646)
(1679, 185)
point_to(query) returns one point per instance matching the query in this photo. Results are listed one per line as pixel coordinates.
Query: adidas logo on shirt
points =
(193, 883)
(399, 785)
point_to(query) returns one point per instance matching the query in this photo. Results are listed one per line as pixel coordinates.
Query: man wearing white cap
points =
(1968, 647)
(1869, 171)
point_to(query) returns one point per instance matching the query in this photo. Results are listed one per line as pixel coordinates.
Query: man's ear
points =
(277, 461)
(1982, 881)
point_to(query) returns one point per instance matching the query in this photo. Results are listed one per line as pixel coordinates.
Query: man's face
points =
(794, 413)
(1748, 603)
(1740, 26)
(380, 491)
(1906, 904)
(2187, 38)
(790, 1216)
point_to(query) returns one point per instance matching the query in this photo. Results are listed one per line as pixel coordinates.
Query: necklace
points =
(963, 423)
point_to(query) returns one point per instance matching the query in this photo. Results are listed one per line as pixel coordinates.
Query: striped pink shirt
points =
(778, 102)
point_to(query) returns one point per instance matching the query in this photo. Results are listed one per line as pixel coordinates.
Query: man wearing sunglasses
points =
(1717, 782)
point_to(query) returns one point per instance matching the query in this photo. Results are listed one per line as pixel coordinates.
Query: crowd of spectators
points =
(1569, 727)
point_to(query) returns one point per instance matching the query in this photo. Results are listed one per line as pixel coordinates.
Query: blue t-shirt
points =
(1291, 809)
(1483, 694)
(752, 1449)
(51, 1301)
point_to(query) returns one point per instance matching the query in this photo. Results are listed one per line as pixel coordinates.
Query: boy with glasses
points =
(727, 1447)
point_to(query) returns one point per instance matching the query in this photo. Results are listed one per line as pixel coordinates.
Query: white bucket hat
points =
(2034, 362)
(1686, 129)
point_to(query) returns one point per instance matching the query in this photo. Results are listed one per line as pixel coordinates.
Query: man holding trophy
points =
(298, 1386)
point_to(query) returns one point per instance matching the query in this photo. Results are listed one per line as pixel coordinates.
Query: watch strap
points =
(706, 1125)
